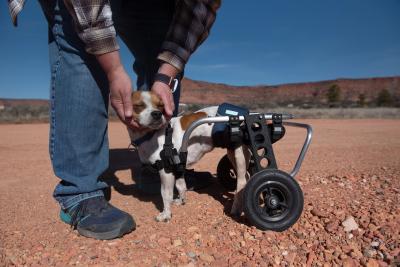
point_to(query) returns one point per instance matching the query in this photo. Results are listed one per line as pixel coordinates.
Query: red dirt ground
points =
(352, 169)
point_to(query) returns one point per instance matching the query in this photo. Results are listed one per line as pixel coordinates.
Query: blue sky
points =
(252, 42)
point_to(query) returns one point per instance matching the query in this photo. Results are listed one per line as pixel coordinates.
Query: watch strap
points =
(168, 80)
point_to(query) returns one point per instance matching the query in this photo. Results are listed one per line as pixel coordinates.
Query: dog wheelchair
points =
(272, 198)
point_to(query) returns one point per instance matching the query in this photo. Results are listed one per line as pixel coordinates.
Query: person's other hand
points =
(120, 96)
(120, 87)
(164, 92)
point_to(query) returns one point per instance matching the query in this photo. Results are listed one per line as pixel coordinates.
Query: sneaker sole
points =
(116, 233)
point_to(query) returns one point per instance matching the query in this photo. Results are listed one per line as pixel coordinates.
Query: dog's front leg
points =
(167, 193)
(181, 186)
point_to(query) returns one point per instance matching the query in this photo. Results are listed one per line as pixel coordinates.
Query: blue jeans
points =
(79, 103)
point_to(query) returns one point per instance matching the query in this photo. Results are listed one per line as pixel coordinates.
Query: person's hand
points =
(120, 87)
(164, 92)
(120, 96)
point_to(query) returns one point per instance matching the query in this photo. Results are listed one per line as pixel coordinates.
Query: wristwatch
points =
(168, 80)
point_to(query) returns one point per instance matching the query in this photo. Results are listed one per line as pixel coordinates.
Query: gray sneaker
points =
(96, 218)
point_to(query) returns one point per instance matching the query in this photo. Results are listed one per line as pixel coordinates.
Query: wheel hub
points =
(272, 202)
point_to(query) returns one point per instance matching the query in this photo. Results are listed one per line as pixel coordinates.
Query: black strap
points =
(170, 160)
(143, 139)
(170, 81)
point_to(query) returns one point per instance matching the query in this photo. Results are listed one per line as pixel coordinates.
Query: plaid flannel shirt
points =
(93, 22)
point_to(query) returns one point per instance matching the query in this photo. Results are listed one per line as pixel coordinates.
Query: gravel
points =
(351, 219)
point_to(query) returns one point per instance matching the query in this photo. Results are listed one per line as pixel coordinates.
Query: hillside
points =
(297, 94)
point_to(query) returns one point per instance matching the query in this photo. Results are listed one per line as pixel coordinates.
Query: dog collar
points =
(143, 139)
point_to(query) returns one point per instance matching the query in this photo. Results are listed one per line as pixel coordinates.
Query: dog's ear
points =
(157, 102)
(137, 103)
(186, 120)
(136, 97)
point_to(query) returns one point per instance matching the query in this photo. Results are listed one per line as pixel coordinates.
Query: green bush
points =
(333, 95)
(361, 100)
(384, 99)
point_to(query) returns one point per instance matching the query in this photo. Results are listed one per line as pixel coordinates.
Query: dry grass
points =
(34, 114)
(341, 113)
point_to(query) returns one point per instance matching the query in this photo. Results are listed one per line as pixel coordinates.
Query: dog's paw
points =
(163, 217)
(236, 212)
(179, 201)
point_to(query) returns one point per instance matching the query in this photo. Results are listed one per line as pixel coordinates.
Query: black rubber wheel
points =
(273, 200)
(226, 174)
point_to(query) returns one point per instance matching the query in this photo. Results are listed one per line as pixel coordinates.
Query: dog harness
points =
(171, 160)
(229, 134)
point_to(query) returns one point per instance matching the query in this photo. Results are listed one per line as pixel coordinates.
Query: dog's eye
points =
(138, 107)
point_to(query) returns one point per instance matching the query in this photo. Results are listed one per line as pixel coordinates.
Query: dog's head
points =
(148, 110)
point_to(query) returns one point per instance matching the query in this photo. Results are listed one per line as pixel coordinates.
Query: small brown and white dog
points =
(148, 112)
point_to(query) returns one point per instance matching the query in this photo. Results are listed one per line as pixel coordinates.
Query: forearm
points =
(168, 69)
(110, 63)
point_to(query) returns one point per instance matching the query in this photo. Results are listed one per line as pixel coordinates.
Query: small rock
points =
(375, 244)
(369, 252)
(350, 224)
(250, 252)
(192, 229)
(319, 213)
(356, 253)
(177, 243)
(310, 258)
(207, 258)
(164, 241)
(350, 236)
(285, 253)
(191, 254)
(196, 236)
(372, 263)
(247, 236)
(277, 260)
(349, 263)
(331, 227)
(242, 243)
(231, 233)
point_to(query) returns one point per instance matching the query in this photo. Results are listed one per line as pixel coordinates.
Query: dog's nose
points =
(156, 114)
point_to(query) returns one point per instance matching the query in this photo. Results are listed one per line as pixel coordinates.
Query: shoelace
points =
(86, 207)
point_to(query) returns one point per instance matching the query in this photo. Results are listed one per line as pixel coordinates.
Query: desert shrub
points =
(24, 113)
(361, 100)
(384, 99)
(333, 95)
